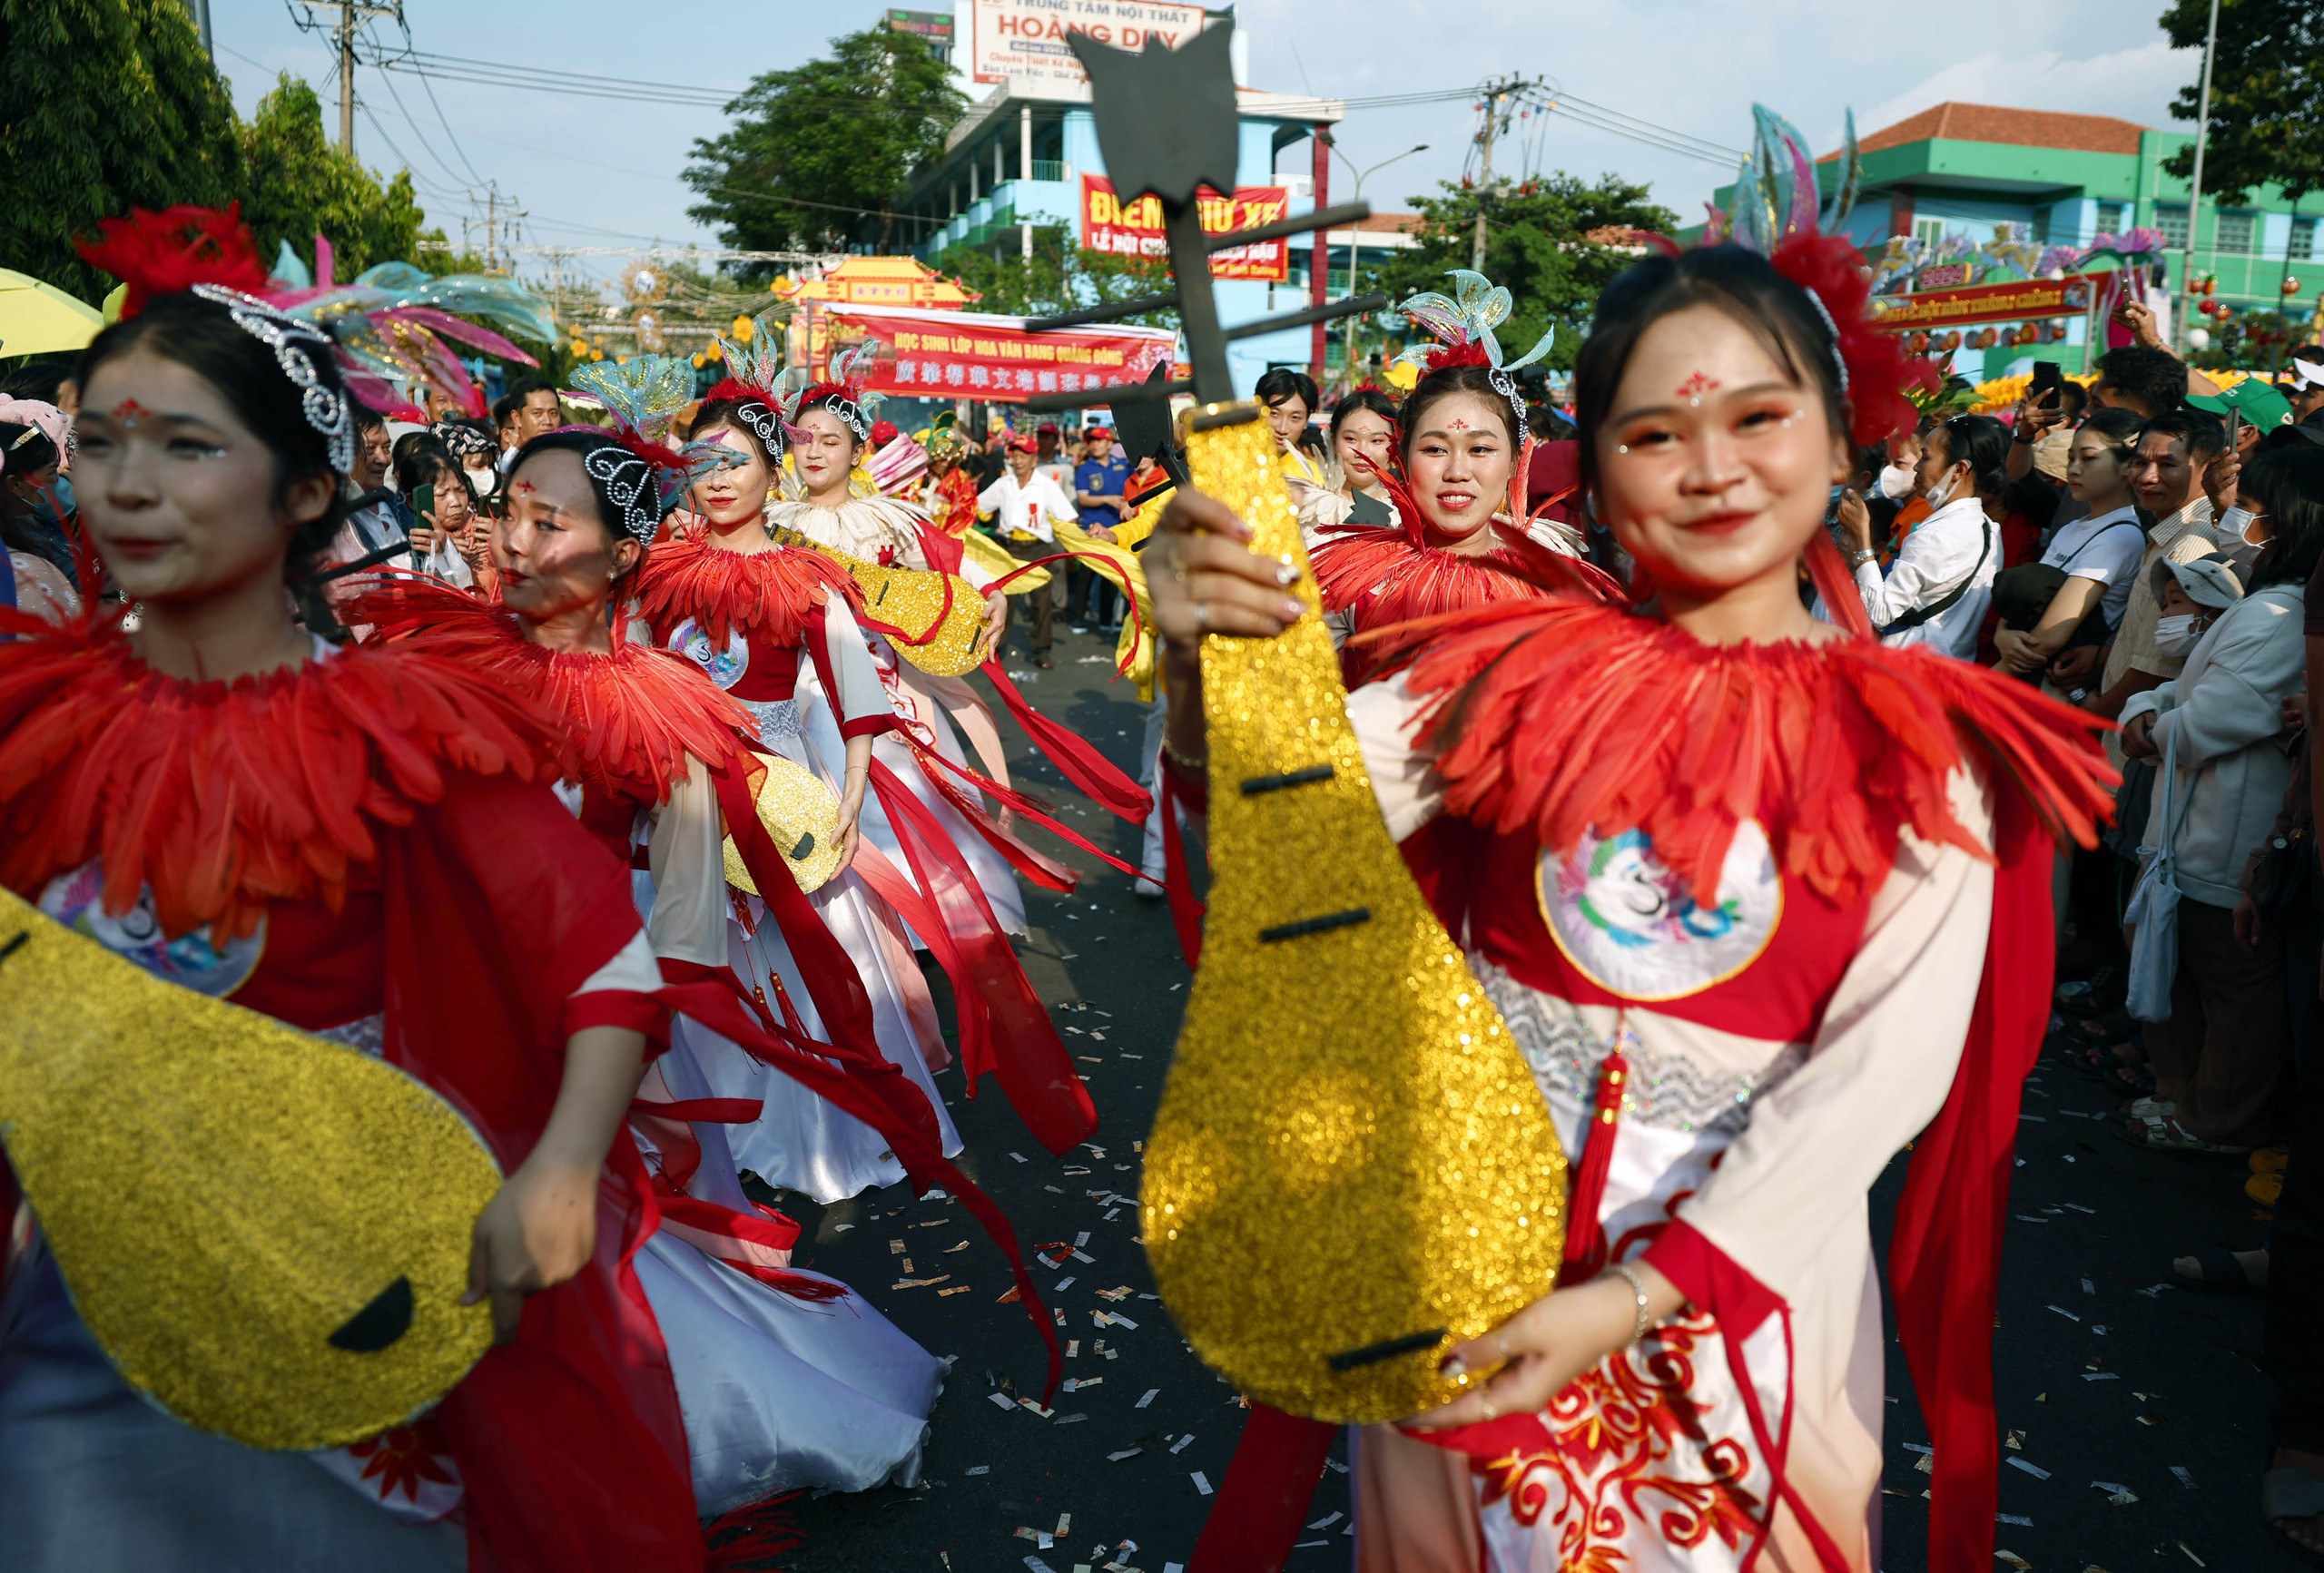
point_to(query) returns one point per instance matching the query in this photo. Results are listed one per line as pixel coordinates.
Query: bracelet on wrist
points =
(1191, 766)
(1630, 1274)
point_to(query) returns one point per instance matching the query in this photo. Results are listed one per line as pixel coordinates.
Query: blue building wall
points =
(1058, 202)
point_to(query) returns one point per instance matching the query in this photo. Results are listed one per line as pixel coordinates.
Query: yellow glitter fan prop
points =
(1351, 1167)
(939, 615)
(267, 1233)
(802, 819)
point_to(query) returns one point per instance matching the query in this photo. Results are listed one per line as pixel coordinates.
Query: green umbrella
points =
(37, 318)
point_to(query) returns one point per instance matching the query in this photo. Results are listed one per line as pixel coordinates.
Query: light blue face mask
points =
(60, 500)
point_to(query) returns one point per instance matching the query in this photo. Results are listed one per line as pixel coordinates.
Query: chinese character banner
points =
(970, 355)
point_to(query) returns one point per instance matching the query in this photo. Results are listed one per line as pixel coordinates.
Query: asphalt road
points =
(2137, 1412)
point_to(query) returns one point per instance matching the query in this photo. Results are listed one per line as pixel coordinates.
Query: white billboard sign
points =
(1023, 42)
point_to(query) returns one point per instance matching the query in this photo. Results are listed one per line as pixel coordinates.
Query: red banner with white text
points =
(1135, 229)
(975, 355)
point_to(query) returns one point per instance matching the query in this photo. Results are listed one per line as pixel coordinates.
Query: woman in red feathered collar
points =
(1758, 909)
(1459, 537)
(363, 845)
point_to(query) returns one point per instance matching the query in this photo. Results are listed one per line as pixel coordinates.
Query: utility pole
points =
(1496, 94)
(2195, 186)
(351, 15)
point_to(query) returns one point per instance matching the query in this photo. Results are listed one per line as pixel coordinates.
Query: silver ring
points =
(1487, 1406)
(1202, 617)
(1502, 1339)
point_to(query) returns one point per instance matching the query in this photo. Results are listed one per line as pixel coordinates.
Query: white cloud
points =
(2136, 84)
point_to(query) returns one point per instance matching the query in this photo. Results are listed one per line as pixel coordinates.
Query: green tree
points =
(2266, 80)
(1057, 277)
(1550, 241)
(302, 186)
(103, 104)
(818, 154)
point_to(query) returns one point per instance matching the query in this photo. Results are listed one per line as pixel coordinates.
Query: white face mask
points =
(2177, 635)
(1942, 492)
(1896, 481)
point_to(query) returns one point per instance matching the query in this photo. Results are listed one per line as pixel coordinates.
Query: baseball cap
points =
(2259, 402)
(1047, 428)
(1023, 444)
(1105, 431)
(2310, 372)
(2209, 581)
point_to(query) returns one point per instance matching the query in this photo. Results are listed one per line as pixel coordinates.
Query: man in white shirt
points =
(1026, 508)
(1937, 588)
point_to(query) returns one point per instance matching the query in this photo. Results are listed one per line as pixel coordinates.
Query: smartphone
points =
(2048, 377)
(2234, 427)
(423, 501)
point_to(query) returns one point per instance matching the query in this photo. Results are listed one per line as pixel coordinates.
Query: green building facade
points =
(1964, 170)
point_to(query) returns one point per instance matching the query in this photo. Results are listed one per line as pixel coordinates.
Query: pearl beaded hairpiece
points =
(325, 408)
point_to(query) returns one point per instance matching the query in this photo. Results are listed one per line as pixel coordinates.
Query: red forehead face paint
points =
(1695, 387)
(1456, 424)
(129, 412)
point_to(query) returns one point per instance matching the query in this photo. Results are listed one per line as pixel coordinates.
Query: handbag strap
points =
(1920, 614)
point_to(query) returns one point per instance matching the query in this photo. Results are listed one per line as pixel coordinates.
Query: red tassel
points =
(1585, 1241)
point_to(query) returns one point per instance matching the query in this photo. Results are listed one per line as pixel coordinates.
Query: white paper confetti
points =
(1201, 1483)
(2035, 1469)
(1151, 1394)
(2186, 1476)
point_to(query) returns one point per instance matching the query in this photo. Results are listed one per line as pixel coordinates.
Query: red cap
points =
(1047, 428)
(1023, 444)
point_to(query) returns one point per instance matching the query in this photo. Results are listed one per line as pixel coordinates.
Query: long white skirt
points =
(801, 1142)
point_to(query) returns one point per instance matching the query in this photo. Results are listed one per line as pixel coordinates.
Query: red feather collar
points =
(223, 797)
(627, 720)
(1560, 717)
(1382, 577)
(768, 596)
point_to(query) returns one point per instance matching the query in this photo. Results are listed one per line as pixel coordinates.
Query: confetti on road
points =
(2037, 1470)
(1201, 1483)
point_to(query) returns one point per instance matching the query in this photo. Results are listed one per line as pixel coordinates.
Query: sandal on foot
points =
(2164, 1134)
(2292, 1493)
(2217, 1272)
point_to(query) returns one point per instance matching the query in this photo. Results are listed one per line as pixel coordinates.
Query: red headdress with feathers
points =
(174, 250)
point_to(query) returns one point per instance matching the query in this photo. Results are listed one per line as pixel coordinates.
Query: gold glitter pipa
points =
(913, 601)
(801, 817)
(1351, 1167)
(267, 1233)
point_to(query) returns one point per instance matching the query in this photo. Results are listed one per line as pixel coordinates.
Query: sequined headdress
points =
(1461, 324)
(209, 253)
(843, 395)
(752, 382)
(645, 476)
(1779, 212)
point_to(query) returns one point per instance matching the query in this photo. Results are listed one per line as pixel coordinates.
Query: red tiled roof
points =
(2014, 127)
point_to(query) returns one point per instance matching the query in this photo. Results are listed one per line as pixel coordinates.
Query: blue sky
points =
(591, 171)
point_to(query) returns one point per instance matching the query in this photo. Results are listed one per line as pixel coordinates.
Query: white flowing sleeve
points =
(686, 849)
(1878, 1070)
(862, 701)
(1404, 775)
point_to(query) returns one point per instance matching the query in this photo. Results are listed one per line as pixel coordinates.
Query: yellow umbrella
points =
(37, 318)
